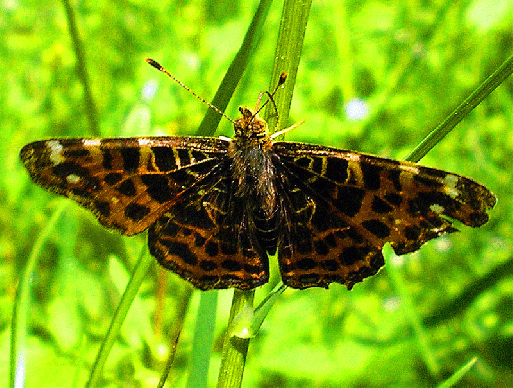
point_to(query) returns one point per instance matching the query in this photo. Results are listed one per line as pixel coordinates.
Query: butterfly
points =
(216, 208)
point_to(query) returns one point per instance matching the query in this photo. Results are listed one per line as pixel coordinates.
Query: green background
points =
(417, 322)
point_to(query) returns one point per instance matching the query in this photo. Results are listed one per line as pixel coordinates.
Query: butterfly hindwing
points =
(317, 246)
(206, 239)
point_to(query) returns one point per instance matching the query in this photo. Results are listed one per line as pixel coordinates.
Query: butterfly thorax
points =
(252, 166)
(251, 130)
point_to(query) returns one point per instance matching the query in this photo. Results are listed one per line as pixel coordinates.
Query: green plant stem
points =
(458, 375)
(203, 340)
(463, 110)
(488, 86)
(265, 306)
(235, 349)
(234, 73)
(90, 107)
(19, 325)
(141, 268)
(288, 52)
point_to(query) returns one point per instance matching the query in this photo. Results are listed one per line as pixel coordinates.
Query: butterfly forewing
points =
(127, 183)
(179, 187)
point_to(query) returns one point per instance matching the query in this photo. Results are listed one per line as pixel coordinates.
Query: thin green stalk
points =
(264, 307)
(19, 325)
(247, 322)
(458, 375)
(463, 110)
(90, 107)
(203, 334)
(234, 73)
(177, 330)
(288, 52)
(203, 340)
(235, 349)
(141, 268)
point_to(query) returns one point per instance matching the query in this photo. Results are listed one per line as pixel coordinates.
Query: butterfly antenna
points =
(161, 68)
(276, 134)
(270, 95)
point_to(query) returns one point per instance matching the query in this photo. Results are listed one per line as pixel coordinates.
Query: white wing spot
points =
(91, 142)
(55, 148)
(450, 182)
(72, 178)
(413, 169)
(437, 208)
(143, 142)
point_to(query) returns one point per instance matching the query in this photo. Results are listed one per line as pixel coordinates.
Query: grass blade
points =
(478, 95)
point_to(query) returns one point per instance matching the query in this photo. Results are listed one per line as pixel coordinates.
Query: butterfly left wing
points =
(348, 205)
(126, 182)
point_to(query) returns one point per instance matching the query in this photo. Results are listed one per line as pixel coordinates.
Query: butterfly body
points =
(251, 163)
(215, 208)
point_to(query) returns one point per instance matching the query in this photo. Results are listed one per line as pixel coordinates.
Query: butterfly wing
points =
(344, 206)
(127, 182)
(206, 238)
(180, 186)
(318, 246)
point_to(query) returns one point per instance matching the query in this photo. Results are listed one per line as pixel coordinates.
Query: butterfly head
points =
(250, 129)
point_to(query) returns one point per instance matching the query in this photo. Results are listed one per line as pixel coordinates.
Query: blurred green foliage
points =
(409, 63)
